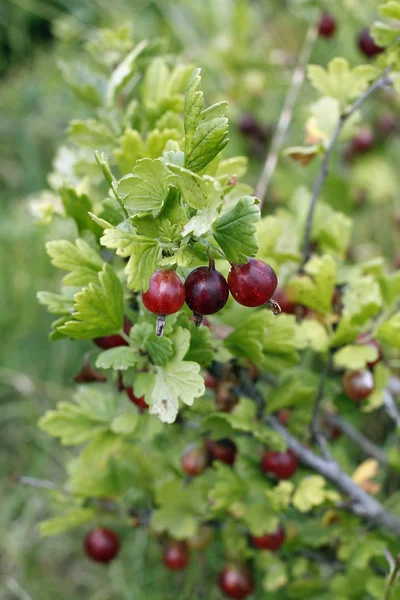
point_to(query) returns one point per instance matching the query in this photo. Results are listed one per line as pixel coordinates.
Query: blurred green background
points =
(248, 51)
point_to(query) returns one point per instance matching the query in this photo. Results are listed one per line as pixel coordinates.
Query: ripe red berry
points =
(281, 464)
(206, 291)
(363, 141)
(194, 460)
(358, 385)
(102, 545)
(252, 284)
(327, 25)
(140, 402)
(176, 556)
(270, 541)
(367, 45)
(224, 450)
(282, 297)
(236, 581)
(165, 296)
(363, 339)
(112, 341)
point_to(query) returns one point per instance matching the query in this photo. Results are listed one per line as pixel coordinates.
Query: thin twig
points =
(38, 483)
(391, 407)
(393, 578)
(324, 169)
(286, 114)
(316, 434)
(362, 504)
(368, 447)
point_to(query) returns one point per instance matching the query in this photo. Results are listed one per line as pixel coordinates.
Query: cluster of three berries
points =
(206, 291)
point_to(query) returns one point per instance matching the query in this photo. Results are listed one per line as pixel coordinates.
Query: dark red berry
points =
(140, 402)
(358, 385)
(176, 556)
(284, 416)
(194, 460)
(224, 450)
(102, 545)
(281, 464)
(270, 541)
(236, 581)
(367, 45)
(327, 25)
(206, 290)
(252, 284)
(363, 141)
(166, 293)
(112, 341)
(365, 341)
(282, 297)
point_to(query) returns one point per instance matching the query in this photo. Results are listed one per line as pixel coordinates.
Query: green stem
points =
(105, 167)
(392, 580)
(125, 336)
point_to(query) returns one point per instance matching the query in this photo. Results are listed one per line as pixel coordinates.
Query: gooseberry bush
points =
(236, 357)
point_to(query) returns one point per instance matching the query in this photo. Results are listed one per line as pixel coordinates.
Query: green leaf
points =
(201, 224)
(179, 509)
(389, 332)
(91, 134)
(200, 349)
(246, 341)
(123, 73)
(77, 206)
(311, 492)
(81, 420)
(355, 357)
(125, 423)
(303, 154)
(311, 334)
(316, 288)
(146, 189)
(98, 309)
(130, 150)
(390, 9)
(332, 229)
(146, 254)
(192, 187)
(341, 82)
(121, 358)
(86, 85)
(384, 34)
(232, 167)
(206, 132)
(80, 259)
(293, 390)
(56, 304)
(159, 349)
(74, 517)
(361, 300)
(228, 489)
(175, 381)
(235, 231)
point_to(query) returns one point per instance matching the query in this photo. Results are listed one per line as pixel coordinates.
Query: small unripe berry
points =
(367, 45)
(358, 385)
(102, 545)
(176, 556)
(280, 464)
(327, 25)
(253, 283)
(270, 541)
(194, 460)
(236, 581)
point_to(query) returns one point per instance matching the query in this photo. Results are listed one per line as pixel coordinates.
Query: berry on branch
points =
(270, 541)
(206, 291)
(280, 464)
(252, 284)
(165, 296)
(236, 581)
(102, 545)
